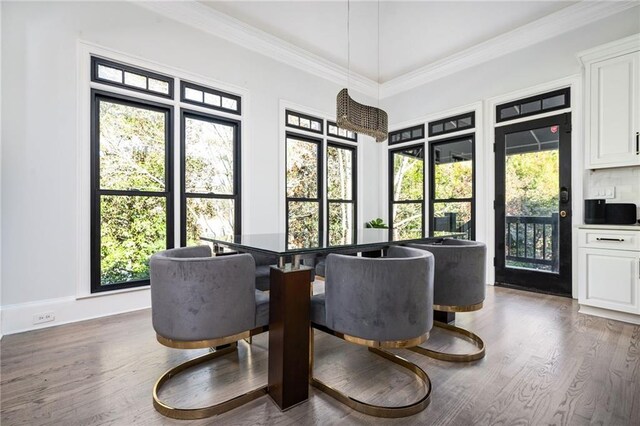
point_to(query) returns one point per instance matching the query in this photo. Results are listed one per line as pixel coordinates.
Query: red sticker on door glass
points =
(554, 129)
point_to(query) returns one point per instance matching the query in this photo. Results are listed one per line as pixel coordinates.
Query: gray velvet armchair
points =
(378, 303)
(459, 286)
(199, 301)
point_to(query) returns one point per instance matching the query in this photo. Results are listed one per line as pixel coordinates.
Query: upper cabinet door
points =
(613, 123)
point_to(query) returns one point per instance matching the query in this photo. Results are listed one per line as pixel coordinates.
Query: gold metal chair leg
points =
(201, 413)
(472, 337)
(378, 410)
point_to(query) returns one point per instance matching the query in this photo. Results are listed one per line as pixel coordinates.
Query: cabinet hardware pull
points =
(637, 143)
(610, 239)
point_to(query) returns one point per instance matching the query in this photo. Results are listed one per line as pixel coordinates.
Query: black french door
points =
(533, 205)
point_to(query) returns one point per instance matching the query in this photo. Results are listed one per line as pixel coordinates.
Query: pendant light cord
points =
(348, 45)
(378, 54)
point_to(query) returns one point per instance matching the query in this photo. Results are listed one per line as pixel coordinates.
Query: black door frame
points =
(545, 282)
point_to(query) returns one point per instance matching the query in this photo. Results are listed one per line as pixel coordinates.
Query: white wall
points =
(41, 212)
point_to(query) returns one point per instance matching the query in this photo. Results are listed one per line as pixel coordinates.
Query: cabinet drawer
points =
(616, 240)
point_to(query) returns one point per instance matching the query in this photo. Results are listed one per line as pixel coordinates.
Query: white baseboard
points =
(19, 317)
(606, 313)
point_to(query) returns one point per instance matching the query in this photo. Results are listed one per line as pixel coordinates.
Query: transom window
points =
(209, 98)
(551, 101)
(131, 78)
(406, 135)
(452, 124)
(334, 130)
(132, 169)
(304, 122)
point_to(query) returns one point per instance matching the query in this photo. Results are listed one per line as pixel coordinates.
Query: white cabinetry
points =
(609, 273)
(612, 110)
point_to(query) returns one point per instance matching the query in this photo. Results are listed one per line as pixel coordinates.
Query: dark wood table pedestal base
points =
(289, 336)
(446, 317)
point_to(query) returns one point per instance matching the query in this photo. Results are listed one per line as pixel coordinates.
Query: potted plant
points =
(376, 223)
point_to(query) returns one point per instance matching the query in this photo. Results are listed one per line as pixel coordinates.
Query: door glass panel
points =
(532, 199)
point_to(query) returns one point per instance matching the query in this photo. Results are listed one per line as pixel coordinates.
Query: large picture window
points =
(304, 191)
(131, 188)
(211, 178)
(452, 188)
(406, 183)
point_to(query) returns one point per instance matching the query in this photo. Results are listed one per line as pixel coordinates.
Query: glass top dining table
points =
(369, 239)
(289, 301)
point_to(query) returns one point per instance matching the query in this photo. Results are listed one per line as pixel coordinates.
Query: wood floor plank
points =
(545, 364)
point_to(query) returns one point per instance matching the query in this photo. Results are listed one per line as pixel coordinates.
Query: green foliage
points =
(377, 223)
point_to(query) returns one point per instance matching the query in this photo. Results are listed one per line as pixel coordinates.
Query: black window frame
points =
(541, 97)
(187, 84)
(289, 112)
(393, 134)
(391, 201)
(237, 171)
(96, 192)
(432, 182)
(334, 135)
(456, 118)
(354, 186)
(320, 186)
(96, 60)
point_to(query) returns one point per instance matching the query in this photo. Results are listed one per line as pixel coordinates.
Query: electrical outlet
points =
(43, 317)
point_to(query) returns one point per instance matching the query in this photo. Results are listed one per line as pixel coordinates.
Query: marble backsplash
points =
(626, 181)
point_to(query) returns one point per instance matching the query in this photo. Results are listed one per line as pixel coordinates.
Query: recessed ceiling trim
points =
(211, 21)
(552, 25)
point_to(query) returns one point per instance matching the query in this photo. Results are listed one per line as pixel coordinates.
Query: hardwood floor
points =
(545, 364)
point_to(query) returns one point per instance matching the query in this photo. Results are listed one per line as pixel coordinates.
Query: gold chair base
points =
(201, 413)
(444, 356)
(371, 409)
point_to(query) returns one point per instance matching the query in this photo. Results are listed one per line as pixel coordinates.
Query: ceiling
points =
(413, 34)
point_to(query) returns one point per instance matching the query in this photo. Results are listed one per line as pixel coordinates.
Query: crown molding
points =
(562, 21)
(211, 21)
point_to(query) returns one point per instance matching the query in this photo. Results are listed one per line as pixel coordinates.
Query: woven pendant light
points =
(354, 116)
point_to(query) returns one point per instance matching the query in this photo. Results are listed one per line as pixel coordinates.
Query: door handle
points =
(563, 213)
(637, 143)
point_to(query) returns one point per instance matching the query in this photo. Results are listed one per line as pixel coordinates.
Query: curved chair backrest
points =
(198, 297)
(381, 299)
(460, 267)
